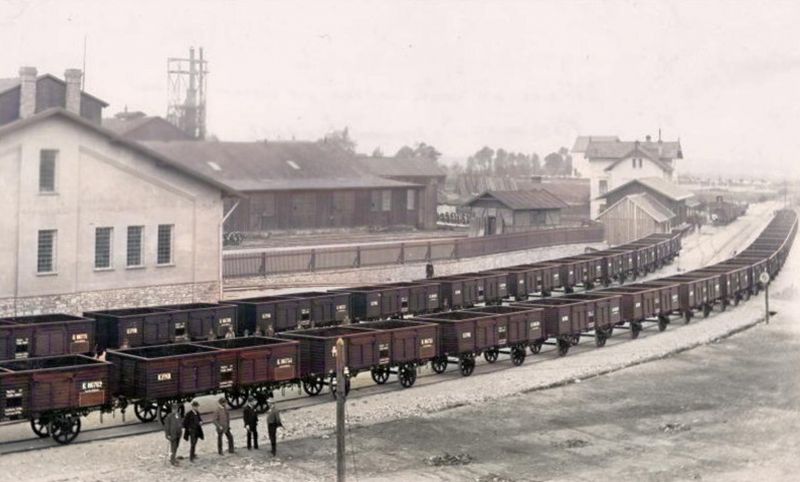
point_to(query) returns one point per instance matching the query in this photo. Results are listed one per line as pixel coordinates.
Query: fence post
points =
(402, 258)
(428, 252)
(358, 256)
(263, 269)
(312, 263)
(455, 249)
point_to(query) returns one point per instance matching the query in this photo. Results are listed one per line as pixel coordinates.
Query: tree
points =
(536, 164)
(377, 152)
(405, 152)
(500, 162)
(553, 164)
(341, 139)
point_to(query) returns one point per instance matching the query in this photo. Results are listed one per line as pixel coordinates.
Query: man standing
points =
(273, 422)
(193, 425)
(222, 420)
(250, 417)
(173, 426)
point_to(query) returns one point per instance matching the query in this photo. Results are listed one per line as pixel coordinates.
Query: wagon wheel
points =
(568, 289)
(346, 387)
(380, 375)
(574, 339)
(687, 317)
(65, 427)
(563, 346)
(312, 386)
(490, 355)
(588, 285)
(439, 364)
(736, 299)
(706, 310)
(724, 305)
(663, 321)
(261, 394)
(145, 411)
(236, 398)
(407, 375)
(634, 275)
(536, 346)
(518, 355)
(600, 338)
(41, 426)
(636, 328)
(747, 295)
(466, 365)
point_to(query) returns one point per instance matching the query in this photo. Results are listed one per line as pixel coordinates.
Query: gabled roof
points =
(656, 184)
(573, 191)
(582, 142)
(122, 126)
(522, 200)
(9, 83)
(640, 152)
(612, 150)
(145, 128)
(275, 165)
(402, 167)
(648, 204)
(114, 138)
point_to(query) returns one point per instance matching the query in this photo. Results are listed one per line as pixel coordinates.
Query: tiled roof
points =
(402, 167)
(275, 166)
(646, 203)
(582, 142)
(523, 200)
(659, 185)
(11, 82)
(621, 149)
(122, 126)
(573, 191)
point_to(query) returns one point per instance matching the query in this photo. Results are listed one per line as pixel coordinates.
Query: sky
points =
(724, 77)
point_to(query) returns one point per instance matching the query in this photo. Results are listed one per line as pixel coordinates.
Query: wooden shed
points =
(635, 216)
(498, 212)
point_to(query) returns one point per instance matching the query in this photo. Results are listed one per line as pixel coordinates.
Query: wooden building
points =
(669, 195)
(633, 217)
(498, 212)
(300, 185)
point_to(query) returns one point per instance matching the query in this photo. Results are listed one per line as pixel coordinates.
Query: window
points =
(134, 256)
(46, 254)
(603, 186)
(411, 198)
(375, 201)
(633, 163)
(102, 247)
(47, 170)
(164, 249)
(386, 201)
(640, 163)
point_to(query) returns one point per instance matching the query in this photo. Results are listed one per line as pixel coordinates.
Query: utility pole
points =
(340, 399)
(764, 278)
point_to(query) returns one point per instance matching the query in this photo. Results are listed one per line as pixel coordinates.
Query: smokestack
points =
(73, 98)
(27, 92)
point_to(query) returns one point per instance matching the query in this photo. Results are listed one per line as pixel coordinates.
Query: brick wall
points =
(77, 303)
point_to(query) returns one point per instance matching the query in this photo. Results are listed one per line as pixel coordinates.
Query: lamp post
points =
(764, 279)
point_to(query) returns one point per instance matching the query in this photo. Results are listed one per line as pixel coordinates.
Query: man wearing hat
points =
(273, 422)
(250, 417)
(173, 426)
(193, 425)
(222, 420)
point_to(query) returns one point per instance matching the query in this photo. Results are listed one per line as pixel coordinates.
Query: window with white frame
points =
(164, 248)
(47, 170)
(134, 256)
(102, 247)
(411, 199)
(46, 251)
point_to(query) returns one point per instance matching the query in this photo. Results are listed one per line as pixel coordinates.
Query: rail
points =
(236, 265)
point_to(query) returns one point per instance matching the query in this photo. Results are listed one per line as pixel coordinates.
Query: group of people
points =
(190, 427)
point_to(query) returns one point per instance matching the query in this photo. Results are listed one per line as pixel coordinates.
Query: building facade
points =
(94, 221)
(667, 194)
(635, 216)
(502, 212)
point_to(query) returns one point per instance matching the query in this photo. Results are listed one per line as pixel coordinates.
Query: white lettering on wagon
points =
(12, 412)
(132, 331)
(266, 316)
(457, 292)
(92, 387)
(565, 318)
(164, 377)
(466, 334)
(373, 303)
(14, 393)
(228, 320)
(615, 310)
(341, 307)
(79, 337)
(534, 325)
(285, 361)
(426, 342)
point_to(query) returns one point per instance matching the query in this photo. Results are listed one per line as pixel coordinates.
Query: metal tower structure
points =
(186, 93)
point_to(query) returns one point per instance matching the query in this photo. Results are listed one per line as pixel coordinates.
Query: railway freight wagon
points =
(463, 335)
(521, 326)
(696, 291)
(564, 319)
(366, 349)
(641, 302)
(390, 300)
(45, 335)
(526, 280)
(603, 313)
(54, 393)
(411, 344)
(203, 321)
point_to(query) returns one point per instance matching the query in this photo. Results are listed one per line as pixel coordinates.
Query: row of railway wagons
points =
(476, 316)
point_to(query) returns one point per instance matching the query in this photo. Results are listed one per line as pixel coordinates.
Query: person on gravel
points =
(193, 429)
(273, 422)
(222, 420)
(173, 426)
(250, 417)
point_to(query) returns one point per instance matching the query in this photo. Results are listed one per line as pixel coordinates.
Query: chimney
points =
(27, 92)
(647, 138)
(73, 99)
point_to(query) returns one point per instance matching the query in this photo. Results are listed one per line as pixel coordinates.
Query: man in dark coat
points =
(173, 426)
(273, 422)
(250, 417)
(193, 425)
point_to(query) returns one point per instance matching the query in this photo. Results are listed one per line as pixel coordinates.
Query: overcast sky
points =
(526, 76)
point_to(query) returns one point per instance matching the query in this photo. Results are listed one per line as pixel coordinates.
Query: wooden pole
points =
(340, 399)
(766, 302)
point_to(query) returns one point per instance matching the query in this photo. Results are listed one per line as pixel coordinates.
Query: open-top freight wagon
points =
(640, 302)
(533, 279)
(45, 335)
(521, 326)
(564, 320)
(412, 343)
(54, 393)
(603, 313)
(696, 291)
(391, 300)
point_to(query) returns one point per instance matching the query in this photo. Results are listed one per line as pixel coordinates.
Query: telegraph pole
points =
(340, 399)
(764, 278)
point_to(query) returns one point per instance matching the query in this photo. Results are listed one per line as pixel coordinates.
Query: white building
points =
(94, 220)
(612, 163)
